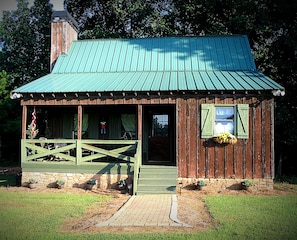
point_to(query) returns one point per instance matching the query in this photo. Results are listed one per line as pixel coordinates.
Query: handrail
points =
(137, 165)
(34, 150)
(79, 151)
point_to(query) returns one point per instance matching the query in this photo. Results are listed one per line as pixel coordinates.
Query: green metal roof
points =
(157, 54)
(154, 64)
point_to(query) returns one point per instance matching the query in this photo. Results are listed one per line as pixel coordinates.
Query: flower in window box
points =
(225, 138)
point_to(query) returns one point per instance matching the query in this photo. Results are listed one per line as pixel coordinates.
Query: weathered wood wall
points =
(196, 157)
(202, 158)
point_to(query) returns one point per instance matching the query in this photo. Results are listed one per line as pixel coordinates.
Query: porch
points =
(58, 126)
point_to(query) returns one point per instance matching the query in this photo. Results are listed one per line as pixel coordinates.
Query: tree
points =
(280, 63)
(18, 45)
(26, 41)
(41, 13)
(24, 56)
(121, 18)
(9, 121)
(4, 84)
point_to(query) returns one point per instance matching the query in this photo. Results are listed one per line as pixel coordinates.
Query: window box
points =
(225, 138)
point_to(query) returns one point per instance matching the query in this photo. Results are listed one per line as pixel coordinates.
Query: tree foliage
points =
(24, 56)
(25, 36)
(17, 43)
(120, 18)
(41, 13)
(4, 84)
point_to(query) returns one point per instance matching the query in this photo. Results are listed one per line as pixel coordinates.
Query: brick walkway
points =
(147, 210)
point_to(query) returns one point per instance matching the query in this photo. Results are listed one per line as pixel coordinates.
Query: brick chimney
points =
(64, 29)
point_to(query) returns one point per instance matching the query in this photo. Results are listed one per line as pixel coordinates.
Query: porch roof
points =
(154, 64)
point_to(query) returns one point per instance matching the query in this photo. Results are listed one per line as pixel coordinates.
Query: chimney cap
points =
(64, 15)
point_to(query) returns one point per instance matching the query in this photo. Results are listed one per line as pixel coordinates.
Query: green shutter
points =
(207, 120)
(242, 121)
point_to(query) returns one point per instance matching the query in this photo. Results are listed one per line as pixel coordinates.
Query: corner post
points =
(24, 121)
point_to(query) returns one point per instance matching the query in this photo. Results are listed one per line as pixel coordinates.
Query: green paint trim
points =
(104, 168)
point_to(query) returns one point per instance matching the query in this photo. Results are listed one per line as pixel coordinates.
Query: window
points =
(216, 119)
(128, 126)
(224, 120)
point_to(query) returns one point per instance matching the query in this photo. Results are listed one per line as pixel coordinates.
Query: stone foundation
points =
(110, 181)
(75, 180)
(218, 185)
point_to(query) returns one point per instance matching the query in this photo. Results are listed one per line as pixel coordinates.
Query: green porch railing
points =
(86, 152)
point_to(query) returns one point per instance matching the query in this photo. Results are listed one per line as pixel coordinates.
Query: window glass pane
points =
(224, 121)
(221, 127)
(160, 125)
(224, 113)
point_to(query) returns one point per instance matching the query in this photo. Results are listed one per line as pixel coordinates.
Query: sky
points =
(8, 5)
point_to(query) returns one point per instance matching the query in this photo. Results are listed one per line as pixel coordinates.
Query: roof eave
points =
(124, 94)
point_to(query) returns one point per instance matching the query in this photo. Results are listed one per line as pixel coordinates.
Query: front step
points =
(157, 180)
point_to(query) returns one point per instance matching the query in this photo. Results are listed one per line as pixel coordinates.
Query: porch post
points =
(139, 119)
(24, 121)
(79, 121)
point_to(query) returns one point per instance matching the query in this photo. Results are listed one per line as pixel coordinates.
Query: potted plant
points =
(200, 184)
(60, 183)
(91, 183)
(246, 184)
(122, 185)
(32, 183)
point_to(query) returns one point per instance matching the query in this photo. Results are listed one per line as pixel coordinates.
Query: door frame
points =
(148, 111)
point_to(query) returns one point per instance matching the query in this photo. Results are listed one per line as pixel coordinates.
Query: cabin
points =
(158, 113)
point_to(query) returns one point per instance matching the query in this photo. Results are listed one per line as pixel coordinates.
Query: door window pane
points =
(160, 125)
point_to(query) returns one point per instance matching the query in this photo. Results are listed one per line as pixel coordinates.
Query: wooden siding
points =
(202, 158)
(197, 157)
(69, 100)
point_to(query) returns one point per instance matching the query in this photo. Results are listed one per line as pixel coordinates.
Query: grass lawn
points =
(254, 217)
(26, 215)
